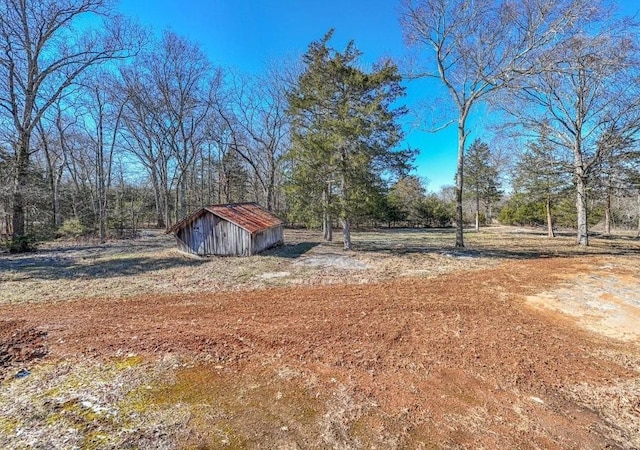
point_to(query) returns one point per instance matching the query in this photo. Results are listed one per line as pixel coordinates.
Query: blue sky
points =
(246, 34)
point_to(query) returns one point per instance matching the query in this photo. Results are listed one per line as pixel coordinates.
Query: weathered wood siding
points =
(230, 239)
(211, 235)
(267, 239)
(190, 238)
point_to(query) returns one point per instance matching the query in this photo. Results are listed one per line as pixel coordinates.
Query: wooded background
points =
(106, 128)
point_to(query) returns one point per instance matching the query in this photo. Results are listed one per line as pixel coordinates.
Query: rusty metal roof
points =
(248, 216)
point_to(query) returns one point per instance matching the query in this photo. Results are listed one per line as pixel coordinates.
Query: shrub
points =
(72, 228)
(22, 244)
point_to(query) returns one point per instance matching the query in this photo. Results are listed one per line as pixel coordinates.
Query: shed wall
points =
(210, 235)
(191, 237)
(267, 239)
(230, 239)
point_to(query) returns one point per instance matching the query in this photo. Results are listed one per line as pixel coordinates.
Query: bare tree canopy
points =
(587, 93)
(477, 48)
(44, 50)
(254, 107)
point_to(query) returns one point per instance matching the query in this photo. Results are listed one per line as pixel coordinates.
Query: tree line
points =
(105, 127)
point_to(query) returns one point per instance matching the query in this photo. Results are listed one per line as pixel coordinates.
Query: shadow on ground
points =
(291, 251)
(491, 244)
(60, 268)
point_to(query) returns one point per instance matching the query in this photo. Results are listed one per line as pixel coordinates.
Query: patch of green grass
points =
(238, 411)
(95, 440)
(127, 362)
(8, 425)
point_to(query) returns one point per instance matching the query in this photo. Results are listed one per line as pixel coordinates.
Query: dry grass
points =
(64, 271)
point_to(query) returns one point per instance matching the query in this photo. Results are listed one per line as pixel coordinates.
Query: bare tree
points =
(68, 138)
(476, 48)
(231, 172)
(103, 111)
(145, 138)
(188, 84)
(169, 117)
(588, 89)
(259, 110)
(79, 164)
(54, 164)
(41, 54)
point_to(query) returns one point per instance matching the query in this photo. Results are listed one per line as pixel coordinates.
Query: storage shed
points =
(239, 229)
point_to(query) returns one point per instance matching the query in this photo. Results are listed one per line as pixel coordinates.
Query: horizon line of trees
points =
(108, 128)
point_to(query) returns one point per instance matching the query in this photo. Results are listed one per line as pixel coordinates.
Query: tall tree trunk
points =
(166, 202)
(157, 196)
(638, 233)
(227, 187)
(581, 192)
(8, 230)
(50, 175)
(346, 233)
(53, 180)
(19, 239)
(460, 182)
(270, 189)
(581, 206)
(327, 226)
(221, 180)
(100, 175)
(56, 197)
(607, 209)
(183, 199)
(477, 212)
(346, 228)
(547, 207)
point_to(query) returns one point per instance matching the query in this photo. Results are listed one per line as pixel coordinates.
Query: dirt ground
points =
(522, 346)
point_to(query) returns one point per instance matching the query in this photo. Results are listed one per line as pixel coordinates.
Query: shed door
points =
(198, 238)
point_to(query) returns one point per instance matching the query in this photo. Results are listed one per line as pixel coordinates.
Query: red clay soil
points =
(459, 359)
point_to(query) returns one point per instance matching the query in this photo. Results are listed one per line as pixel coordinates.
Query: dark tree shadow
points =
(291, 251)
(60, 265)
(64, 268)
(432, 239)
